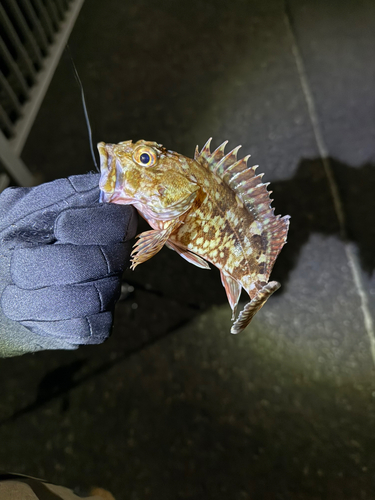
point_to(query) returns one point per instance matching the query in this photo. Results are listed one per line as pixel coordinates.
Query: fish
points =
(212, 208)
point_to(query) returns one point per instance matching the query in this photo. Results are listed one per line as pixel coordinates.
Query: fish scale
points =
(213, 208)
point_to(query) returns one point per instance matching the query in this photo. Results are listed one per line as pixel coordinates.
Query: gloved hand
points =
(61, 259)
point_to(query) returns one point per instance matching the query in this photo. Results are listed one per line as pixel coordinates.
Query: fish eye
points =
(145, 156)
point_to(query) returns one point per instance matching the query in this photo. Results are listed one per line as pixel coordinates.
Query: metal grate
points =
(33, 34)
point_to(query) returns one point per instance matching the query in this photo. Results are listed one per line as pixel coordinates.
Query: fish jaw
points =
(108, 172)
(112, 177)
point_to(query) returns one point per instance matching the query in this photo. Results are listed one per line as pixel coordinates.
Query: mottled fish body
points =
(213, 208)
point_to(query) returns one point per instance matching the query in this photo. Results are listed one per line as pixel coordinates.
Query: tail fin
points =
(249, 311)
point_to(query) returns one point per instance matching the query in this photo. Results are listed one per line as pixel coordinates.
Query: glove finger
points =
(84, 183)
(55, 303)
(93, 329)
(17, 204)
(52, 265)
(98, 225)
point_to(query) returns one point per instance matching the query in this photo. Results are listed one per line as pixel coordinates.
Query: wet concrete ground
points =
(172, 405)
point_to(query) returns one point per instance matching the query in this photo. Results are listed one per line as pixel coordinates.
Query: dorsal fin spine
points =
(206, 149)
(237, 163)
(216, 156)
(251, 191)
(220, 149)
(226, 161)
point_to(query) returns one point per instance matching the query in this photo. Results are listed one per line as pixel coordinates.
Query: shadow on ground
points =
(306, 197)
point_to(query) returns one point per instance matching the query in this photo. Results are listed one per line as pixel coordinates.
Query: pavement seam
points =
(324, 156)
(355, 268)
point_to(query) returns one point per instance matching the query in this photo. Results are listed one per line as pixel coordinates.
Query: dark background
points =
(172, 405)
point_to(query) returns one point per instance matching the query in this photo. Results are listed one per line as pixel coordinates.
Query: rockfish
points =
(212, 208)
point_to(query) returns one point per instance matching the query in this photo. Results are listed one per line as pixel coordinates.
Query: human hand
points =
(61, 259)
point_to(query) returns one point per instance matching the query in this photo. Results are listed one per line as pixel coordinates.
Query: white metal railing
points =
(33, 34)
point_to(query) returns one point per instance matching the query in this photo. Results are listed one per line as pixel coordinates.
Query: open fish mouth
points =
(111, 183)
(108, 174)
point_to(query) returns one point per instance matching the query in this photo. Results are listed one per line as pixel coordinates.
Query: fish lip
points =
(106, 159)
(103, 197)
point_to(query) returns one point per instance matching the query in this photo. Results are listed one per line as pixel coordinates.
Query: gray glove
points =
(61, 259)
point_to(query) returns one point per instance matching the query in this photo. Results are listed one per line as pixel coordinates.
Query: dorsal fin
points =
(252, 192)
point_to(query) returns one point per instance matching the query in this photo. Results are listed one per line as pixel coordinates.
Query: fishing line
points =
(84, 106)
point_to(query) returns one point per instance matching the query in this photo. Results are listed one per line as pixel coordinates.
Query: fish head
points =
(144, 174)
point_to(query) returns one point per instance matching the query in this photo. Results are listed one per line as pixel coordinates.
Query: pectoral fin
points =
(189, 256)
(233, 289)
(150, 243)
(254, 305)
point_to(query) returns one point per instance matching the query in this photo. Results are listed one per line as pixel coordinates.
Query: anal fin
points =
(189, 256)
(254, 305)
(233, 289)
